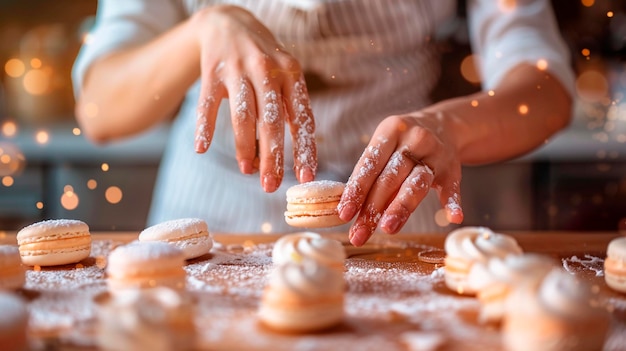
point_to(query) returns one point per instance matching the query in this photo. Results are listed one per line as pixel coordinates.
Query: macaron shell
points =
(146, 264)
(191, 235)
(51, 230)
(314, 220)
(54, 242)
(315, 191)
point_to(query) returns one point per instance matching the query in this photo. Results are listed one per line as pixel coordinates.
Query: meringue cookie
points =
(302, 297)
(555, 314)
(468, 245)
(494, 280)
(156, 319)
(308, 245)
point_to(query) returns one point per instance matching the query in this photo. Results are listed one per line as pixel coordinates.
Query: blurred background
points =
(577, 181)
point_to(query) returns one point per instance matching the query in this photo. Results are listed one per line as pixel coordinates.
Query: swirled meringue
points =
(302, 297)
(494, 280)
(308, 245)
(555, 314)
(466, 246)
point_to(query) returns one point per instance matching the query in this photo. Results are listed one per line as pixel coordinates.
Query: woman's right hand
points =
(241, 60)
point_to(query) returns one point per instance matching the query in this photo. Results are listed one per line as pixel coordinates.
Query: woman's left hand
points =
(406, 157)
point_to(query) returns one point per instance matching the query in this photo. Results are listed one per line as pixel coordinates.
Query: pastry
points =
(13, 323)
(12, 273)
(494, 280)
(314, 204)
(191, 235)
(468, 245)
(54, 242)
(615, 265)
(156, 319)
(302, 297)
(145, 265)
(554, 314)
(308, 245)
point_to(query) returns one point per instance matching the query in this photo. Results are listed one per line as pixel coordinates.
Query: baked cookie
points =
(54, 242)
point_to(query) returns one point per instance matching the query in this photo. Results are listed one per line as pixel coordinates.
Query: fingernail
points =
(359, 236)
(389, 223)
(347, 210)
(269, 183)
(306, 174)
(245, 166)
(200, 146)
(455, 215)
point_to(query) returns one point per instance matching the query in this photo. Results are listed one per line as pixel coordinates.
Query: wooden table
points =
(393, 299)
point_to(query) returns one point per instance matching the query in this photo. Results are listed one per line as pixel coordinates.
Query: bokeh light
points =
(39, 205)
(37, 81)
(76, 131)
(585, 52)
(69, 200)
(9, 129)
(92, 184)
(441, 218)
(587, 3)
(542, 64)
(104, 167)
(592, 86)
(468, 69)
(474, 103)
(7, 181)
(42, 137)
(35, 63)
(609, 14)
(507, 5)
(14, 68)
(491, 93)
(266, 227)
(12, 161)
(113, 194)
(522, 109)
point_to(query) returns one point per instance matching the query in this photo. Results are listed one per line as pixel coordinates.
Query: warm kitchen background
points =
(48, 169)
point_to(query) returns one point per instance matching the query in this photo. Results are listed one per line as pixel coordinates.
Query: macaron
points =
(191, 235)
(149, 264)
(314, 204)
(54, 242)
(13, 322)
(12, 273)
(615, 265)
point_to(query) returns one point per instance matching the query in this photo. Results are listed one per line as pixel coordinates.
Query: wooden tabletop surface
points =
(383, 296)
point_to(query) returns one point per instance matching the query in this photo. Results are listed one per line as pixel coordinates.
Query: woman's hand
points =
(242, 61)
(406, 157)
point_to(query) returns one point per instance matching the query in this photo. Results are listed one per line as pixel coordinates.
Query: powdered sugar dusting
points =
(243, 102)
(304, 125)
(272, 109)
(589, 262)
(391, 299)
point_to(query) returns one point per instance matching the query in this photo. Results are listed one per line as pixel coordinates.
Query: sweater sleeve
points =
(122, 24)
(506, 33)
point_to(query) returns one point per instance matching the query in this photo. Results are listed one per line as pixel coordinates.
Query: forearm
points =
(527, 108)
(133, 89)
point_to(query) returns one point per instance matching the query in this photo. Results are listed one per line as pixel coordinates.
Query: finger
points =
(271, 134)
(302, 127)
(211, 94)
(385, 188)
(413, 191)
(243, 112)
(449, 190)
(363, 176)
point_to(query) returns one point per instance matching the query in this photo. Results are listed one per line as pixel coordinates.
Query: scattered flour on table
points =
(591, 263)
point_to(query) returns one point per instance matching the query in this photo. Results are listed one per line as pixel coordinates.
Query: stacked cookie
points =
(305, 290)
